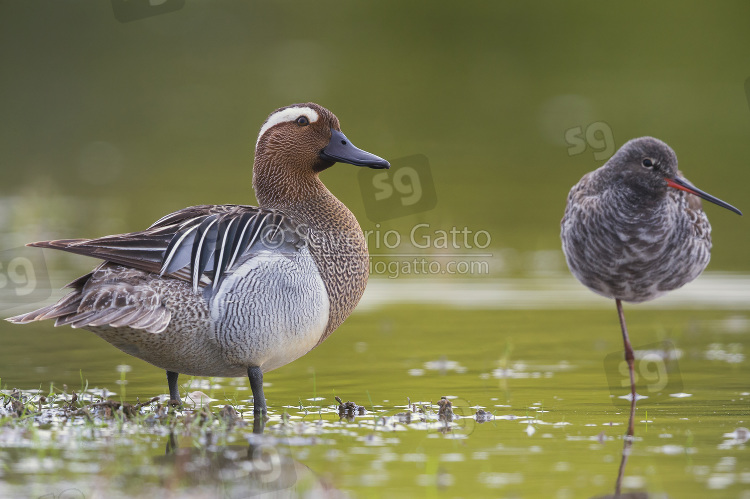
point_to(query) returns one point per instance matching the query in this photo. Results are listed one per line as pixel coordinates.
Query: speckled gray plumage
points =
(271, 311)
(627, 235)
(187, 345)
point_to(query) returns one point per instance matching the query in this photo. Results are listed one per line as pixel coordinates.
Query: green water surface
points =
(557, 429)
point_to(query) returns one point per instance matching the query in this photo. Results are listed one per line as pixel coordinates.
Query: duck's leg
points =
(630, 358)
(171, 444)
(174, 391)
(256, 385)
(255, 374)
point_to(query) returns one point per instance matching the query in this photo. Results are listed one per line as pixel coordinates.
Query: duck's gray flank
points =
(233, 290)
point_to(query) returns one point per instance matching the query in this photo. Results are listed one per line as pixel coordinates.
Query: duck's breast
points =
(272, 309)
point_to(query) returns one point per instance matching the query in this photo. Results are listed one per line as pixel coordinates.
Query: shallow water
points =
(549, 378)
(107, 125)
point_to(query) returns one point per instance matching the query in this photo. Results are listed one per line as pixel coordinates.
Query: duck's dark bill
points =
(684, 185)
(341, 150)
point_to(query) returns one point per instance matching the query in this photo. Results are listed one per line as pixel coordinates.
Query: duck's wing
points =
(199, 244)
(110, 295)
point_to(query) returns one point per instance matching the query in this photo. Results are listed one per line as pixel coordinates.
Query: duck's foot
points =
(255, 375)
(174, 391)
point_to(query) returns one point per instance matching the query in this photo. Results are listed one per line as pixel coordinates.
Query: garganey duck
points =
(233, 290)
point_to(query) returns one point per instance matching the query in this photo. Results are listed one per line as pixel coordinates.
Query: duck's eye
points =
(648, 163)
(303, 121)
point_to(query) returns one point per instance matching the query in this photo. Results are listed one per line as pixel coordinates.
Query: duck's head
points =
(306, 139)
(648, 167)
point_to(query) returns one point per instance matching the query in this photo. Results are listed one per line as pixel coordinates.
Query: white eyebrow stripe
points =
(288, 114)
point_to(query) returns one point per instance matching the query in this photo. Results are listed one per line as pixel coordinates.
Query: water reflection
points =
(627, 445)
(241, 470)
(626, 448)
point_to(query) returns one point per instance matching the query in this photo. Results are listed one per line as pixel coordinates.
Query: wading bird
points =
(635, 229)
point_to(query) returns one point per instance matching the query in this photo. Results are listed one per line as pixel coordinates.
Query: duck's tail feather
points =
(104, 304)
(67, 305)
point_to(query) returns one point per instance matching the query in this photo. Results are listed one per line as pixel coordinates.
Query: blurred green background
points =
(106, 126)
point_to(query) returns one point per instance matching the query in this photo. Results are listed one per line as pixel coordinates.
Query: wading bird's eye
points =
(648, 163)
(303, 121)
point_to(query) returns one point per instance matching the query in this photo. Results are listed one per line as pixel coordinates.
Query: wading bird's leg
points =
(174, 391)
(630, 358)
(259, 401)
